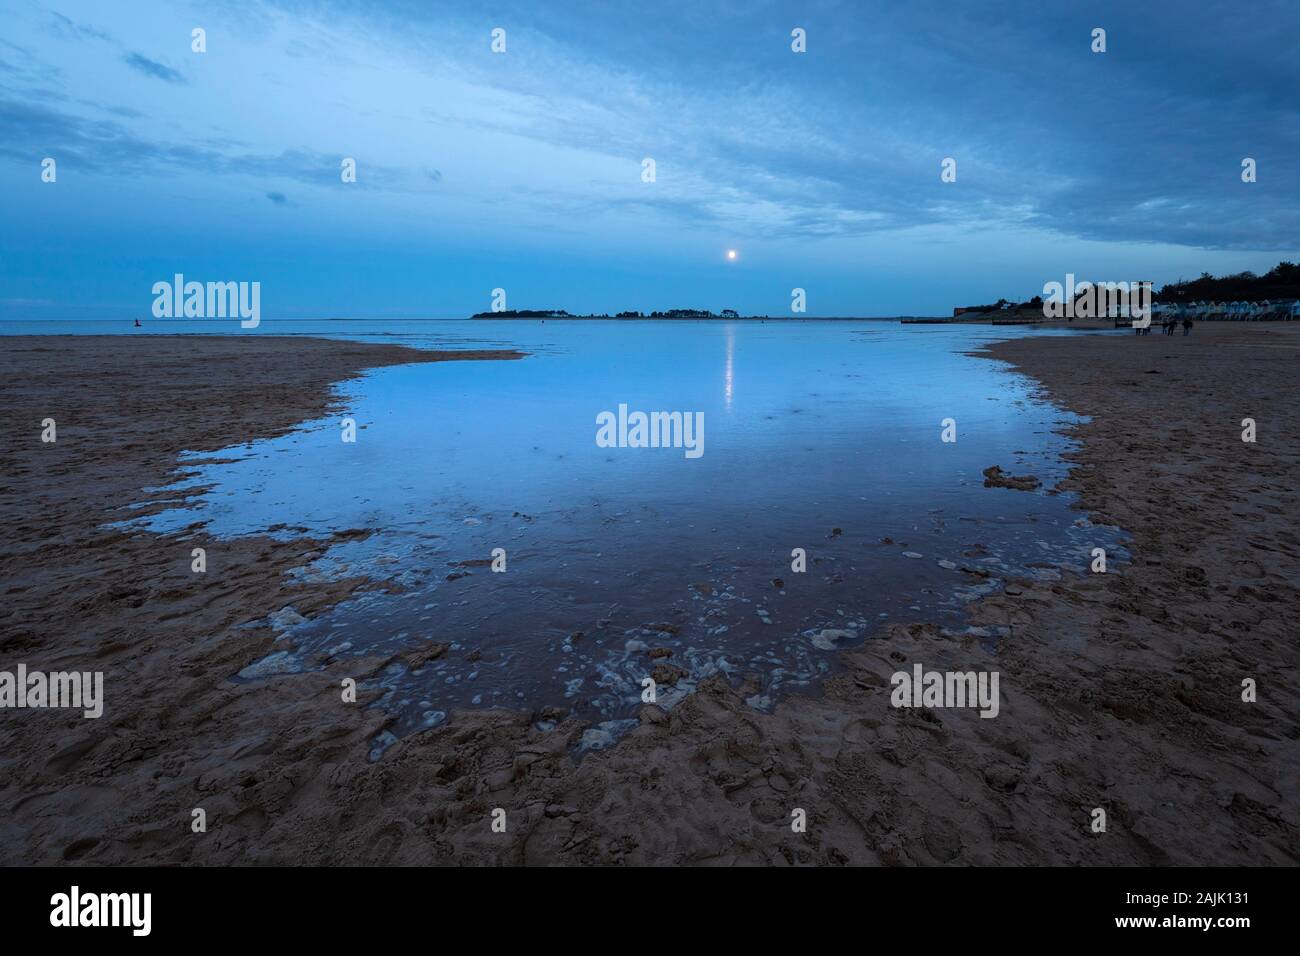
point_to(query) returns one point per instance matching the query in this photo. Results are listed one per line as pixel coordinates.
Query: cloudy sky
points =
(523, 170)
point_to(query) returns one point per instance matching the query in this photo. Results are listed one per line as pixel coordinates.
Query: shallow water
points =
(809, 428)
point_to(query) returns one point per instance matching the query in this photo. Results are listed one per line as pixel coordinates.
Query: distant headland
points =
(669, 314)
(1275, 294)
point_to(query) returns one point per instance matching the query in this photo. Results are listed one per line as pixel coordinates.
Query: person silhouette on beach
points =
(1187, 325)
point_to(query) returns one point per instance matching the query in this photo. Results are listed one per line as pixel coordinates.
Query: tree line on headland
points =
(1279, 284)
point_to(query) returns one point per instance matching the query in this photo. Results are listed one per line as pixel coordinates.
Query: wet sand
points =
(1120, 691)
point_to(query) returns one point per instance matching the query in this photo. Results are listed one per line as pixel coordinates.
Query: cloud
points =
(101, 144)
(834, 151)
(142, 64)
(68, 28)
(109, 147)
(21, 66)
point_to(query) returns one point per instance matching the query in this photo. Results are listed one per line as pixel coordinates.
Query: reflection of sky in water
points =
(807, 428)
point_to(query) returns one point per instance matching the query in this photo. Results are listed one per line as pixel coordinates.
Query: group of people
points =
(1168, 326)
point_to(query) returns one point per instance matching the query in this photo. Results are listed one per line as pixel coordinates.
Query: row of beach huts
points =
(1265, 311)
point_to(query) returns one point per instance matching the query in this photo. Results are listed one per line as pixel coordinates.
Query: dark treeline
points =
(1281, 283)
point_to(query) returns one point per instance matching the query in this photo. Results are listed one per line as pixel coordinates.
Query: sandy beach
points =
(1120, 691)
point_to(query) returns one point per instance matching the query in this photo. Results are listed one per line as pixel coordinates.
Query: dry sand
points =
(1120, 691)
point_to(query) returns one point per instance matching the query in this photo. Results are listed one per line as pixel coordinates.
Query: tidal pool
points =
(824, 436)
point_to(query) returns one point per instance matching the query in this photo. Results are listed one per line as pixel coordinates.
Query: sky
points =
(523, 170)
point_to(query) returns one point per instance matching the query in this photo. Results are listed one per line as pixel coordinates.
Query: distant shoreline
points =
(992, 318)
